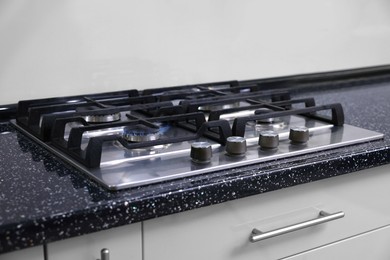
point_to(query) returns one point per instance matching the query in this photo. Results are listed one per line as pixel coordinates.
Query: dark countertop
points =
(44, 200)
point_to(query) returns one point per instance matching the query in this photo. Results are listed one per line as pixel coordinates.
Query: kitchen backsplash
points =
(56, 48)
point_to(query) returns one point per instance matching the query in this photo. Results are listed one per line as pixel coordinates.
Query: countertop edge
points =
(256, 181)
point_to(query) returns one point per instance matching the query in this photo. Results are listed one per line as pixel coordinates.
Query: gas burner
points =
(209, 108)
(176, 96)
(147, 151)
(269, 120)
(271, 123)
(180, 91)
(98, 118)
(269, 126)
(141, 133)
(108, 118)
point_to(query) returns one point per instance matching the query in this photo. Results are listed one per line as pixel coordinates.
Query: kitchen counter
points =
(43, 199)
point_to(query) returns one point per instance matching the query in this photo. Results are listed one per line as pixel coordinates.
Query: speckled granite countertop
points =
(44, 200)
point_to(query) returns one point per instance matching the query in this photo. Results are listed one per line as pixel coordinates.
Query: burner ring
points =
(211, 107)
(269, 120)
(103, 118)
(140, 133)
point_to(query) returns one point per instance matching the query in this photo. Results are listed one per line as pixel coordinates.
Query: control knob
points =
(299, 134)
(201, 152)
(268, 139)
(236, 146)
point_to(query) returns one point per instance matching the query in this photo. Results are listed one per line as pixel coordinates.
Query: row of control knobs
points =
(201, 152)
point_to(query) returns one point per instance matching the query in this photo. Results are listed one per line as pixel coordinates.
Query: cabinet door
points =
(34, 253)
(371, 245)
(222, 231)
(122, 242)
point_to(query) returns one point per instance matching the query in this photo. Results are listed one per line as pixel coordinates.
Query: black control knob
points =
(201, 152)
(268, 139)
(236, 145)
(299, 134)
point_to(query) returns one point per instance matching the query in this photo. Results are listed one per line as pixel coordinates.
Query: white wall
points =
(64, 47)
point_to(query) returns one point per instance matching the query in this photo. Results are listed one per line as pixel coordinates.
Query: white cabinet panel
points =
(222, 231)
(123, 243)
(371, 245)
(33, 253)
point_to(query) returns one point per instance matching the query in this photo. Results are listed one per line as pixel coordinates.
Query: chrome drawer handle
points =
(323, 217)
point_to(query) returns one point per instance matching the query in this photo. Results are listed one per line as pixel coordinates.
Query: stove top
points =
(131, 138)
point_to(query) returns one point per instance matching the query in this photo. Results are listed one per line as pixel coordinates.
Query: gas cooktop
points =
(131, 138)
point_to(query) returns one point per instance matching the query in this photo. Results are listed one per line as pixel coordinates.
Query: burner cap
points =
(98, 118)
(211, 107)
(269, 120)
(183, 91)
(107, 118)
(141, 133)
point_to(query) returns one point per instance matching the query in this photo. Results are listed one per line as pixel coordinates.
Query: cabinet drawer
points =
(222, 231)
(33, 253)
(371, 245)
(122, 242)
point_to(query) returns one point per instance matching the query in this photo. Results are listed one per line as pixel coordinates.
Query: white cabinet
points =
(371, 245)
(222, 231)
(33, 253)
(123, 243)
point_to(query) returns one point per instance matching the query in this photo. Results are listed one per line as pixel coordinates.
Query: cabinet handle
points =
(104, 254)
(323, 217)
